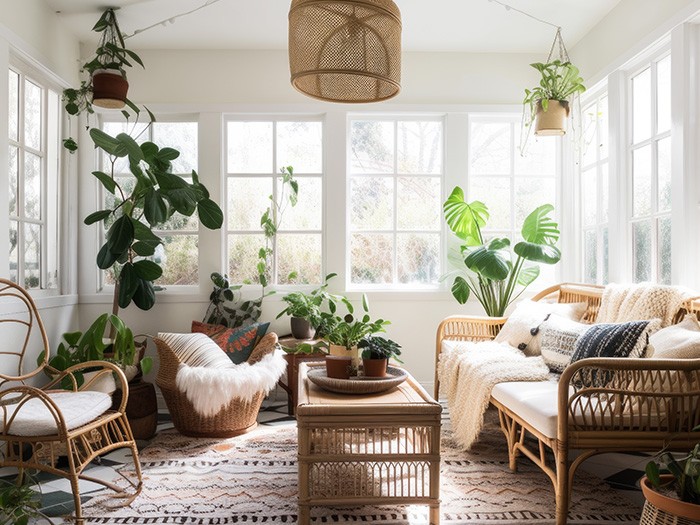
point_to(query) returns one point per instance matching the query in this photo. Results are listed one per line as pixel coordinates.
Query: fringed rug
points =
(253, 479)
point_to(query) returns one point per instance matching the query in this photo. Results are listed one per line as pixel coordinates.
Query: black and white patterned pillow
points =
(558, 341)
(615, 340)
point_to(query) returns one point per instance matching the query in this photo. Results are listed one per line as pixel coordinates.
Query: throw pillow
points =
(558, 337)
(238, 343)
(266, 346)
(521, 330)
(681, 341)
(615, 340)
(196, 350)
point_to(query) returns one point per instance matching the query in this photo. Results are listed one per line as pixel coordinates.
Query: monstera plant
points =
(490, 268)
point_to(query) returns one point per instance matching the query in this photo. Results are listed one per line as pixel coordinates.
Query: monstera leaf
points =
(490, 261)
(465, 219)
(540, 233)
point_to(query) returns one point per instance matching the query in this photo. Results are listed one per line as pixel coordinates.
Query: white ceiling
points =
(476, 26)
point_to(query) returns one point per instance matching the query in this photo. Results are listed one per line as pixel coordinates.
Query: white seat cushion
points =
(533, 401)
(77, 408)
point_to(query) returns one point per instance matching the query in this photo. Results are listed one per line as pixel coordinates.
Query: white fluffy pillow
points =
(680, 341)
(528, 316)
(196, 350)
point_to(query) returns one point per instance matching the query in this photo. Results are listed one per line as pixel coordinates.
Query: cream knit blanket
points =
(634, 302)
(469, 371)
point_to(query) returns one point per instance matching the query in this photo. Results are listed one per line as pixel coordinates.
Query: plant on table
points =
(488, 268)
(376, 352)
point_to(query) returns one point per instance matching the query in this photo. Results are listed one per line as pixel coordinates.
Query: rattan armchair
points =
(41, 424)
(643, 405)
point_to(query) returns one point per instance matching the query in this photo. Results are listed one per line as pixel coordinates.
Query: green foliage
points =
(111, 53)
(491, 272)
(347, 331)
(157, 194)
(19, 502)
(243, 313)
(685, 473)
(559, 81)
(377, 347)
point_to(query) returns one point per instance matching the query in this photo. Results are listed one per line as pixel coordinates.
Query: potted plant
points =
(376, 352)
(676, 494)
(20, 502)
(548, 104)
(488, 268)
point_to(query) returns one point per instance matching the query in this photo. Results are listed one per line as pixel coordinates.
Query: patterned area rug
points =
(253, 479)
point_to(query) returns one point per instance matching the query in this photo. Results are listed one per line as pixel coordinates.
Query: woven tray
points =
(360, 384)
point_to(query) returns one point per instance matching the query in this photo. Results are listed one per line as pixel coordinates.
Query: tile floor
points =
(621, 471)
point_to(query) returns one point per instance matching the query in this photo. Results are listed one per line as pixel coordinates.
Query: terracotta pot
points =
(375, 367)
(670, 505)
(341, 350)
(109, 89)
(338, 367)
(552, 121)
(301, 328)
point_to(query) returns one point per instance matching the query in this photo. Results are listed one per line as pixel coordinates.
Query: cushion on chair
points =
(267, 345)
(681, 341)
(238, 343)
(521, 330)
(558, 337)
(77, 408)
(533, 401)
(196, 350)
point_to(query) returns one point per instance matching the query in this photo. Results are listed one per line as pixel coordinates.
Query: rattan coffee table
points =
(367, 449)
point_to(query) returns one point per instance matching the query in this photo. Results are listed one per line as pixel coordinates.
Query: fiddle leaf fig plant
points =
(489, 268)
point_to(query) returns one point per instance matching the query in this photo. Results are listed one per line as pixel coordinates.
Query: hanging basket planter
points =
(109, 89)
(552, 120)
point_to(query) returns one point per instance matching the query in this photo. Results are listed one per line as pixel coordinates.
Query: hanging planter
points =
(551, 117)
(109, 88)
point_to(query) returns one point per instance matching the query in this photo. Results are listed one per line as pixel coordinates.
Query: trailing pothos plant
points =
(157, 194)
(489, 268)
(558, 81)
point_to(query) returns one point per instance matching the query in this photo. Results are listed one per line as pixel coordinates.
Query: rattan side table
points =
(368, 449)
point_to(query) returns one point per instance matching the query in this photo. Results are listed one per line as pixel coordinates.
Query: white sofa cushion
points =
(78, 408)
(680, 341)
(533, 401)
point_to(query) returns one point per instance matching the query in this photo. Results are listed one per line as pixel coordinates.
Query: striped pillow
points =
(196, 350)
(615, 340)
(558, 341)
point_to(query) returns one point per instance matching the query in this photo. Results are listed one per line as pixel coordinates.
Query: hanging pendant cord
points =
(172, 19)
(509, 7)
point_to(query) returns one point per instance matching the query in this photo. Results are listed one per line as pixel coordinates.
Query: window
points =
(33, 122)
(510, 184)
(594, 191)
(650, 158)
(179, 253)
(256, 150)
(395, 195)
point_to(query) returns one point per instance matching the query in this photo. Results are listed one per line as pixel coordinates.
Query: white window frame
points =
(274, 176)
(50, 155)
(395, 118)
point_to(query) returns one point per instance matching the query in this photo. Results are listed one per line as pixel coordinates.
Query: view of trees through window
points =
(395, 201)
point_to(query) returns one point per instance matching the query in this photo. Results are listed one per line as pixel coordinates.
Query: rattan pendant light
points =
(345, 50)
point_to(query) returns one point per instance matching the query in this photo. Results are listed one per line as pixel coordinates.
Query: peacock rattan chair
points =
(63, 418)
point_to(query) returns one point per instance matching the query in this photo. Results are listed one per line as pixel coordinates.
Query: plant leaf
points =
(460, 290)
(465, 219)
(541, 253)
(210, 214)
(106, 181)
(490, 264)
(97, 216)
(148, 270)
(539, 228)
(528, 275)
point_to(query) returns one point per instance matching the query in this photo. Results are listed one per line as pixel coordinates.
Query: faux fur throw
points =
(635, 302)
(211, 389)
(469, 371)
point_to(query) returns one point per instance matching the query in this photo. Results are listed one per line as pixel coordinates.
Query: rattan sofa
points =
(635, 410)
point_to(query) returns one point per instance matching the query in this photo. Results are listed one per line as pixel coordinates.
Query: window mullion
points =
(395, 260)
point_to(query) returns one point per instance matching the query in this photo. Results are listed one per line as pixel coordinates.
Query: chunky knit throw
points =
(633, 302)
(468, 372)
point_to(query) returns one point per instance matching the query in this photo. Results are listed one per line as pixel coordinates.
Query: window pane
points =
(13, 106)
(183, 136)
(178, 255)
(419, 203)
(32, 186)
(664, 174)
(299, 253)
(372, 146)
(32, 115)
(372, 204)
(490, 148)
(603, 139)
(418, 257)
(641, 239)
(32, 258)
(540, 158)
(495, 193)
(665, 251)
(590, 257)
(12, 172)
(641, 106)
(641, 180)
(531, 193)
(589, 196)
(371, 258)
(590, 134)
(419, 147)
(300, 144)
(663, 95)
(604, 192)
(14, 251)
(248, 198)
(243, 257)
(250, 147)
(307, 214)
(606, 258)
